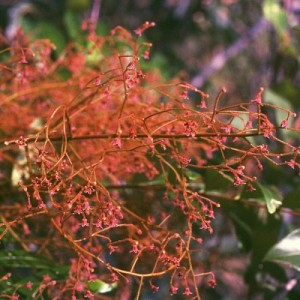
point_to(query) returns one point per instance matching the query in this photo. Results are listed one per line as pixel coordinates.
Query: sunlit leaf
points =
(287, 251)
(101, 287)
(94, 55)
(276, 15)
(264, 194)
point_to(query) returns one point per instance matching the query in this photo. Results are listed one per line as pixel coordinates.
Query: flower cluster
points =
(106, 155)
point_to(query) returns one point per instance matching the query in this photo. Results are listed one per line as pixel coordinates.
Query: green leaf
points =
(23, 259)
(217, 182)
(192, 175)
(78, 5)
(275, 270)
(17, 280)
(101, 287)
(102, 28)
(45, 30)
(256, 229)
(71, 21)
(143, 181)
(268, 195)
(242, 226)
(288, 91)
(276, 15)
(274, 98)
(287, 251)
(94, 55)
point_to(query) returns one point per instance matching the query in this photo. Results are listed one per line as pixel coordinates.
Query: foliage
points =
(114, 176)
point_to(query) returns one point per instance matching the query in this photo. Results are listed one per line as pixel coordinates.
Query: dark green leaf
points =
(291, 199)
(71, 21)
(23, 259)
(216, 182)
(289, 91)
(275, 270)
(242, 228)
(102, 28)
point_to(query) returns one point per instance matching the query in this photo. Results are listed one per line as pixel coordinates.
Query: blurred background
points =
(238, 44)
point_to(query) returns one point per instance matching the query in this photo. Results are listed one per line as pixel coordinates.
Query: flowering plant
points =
(107, 166)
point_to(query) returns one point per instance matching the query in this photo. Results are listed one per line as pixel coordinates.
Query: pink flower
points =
(23, 59)
(138, 31)
(154, 288)
(212, 282)
(202, 104)
(173, 290)
(114, 277)
(238, 180)
(187, 291)
(146, 54)
(46, 278)
(135, 248)
(259, 165)
(28, 285)
(145, 26)
(79, 287)
(98, 81)
(292, 163)
(284, 123)
(89, 189)
(263, 148)
(26, 229)
(199, 240)
(84, 223)
(21, 141)
(190, 128)
(184, 161)
(88, 294)
(117, 142)
(227, 128)
(111, 248)
(53, 282)
(184, 95)
(250, 187)
(258, 97)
